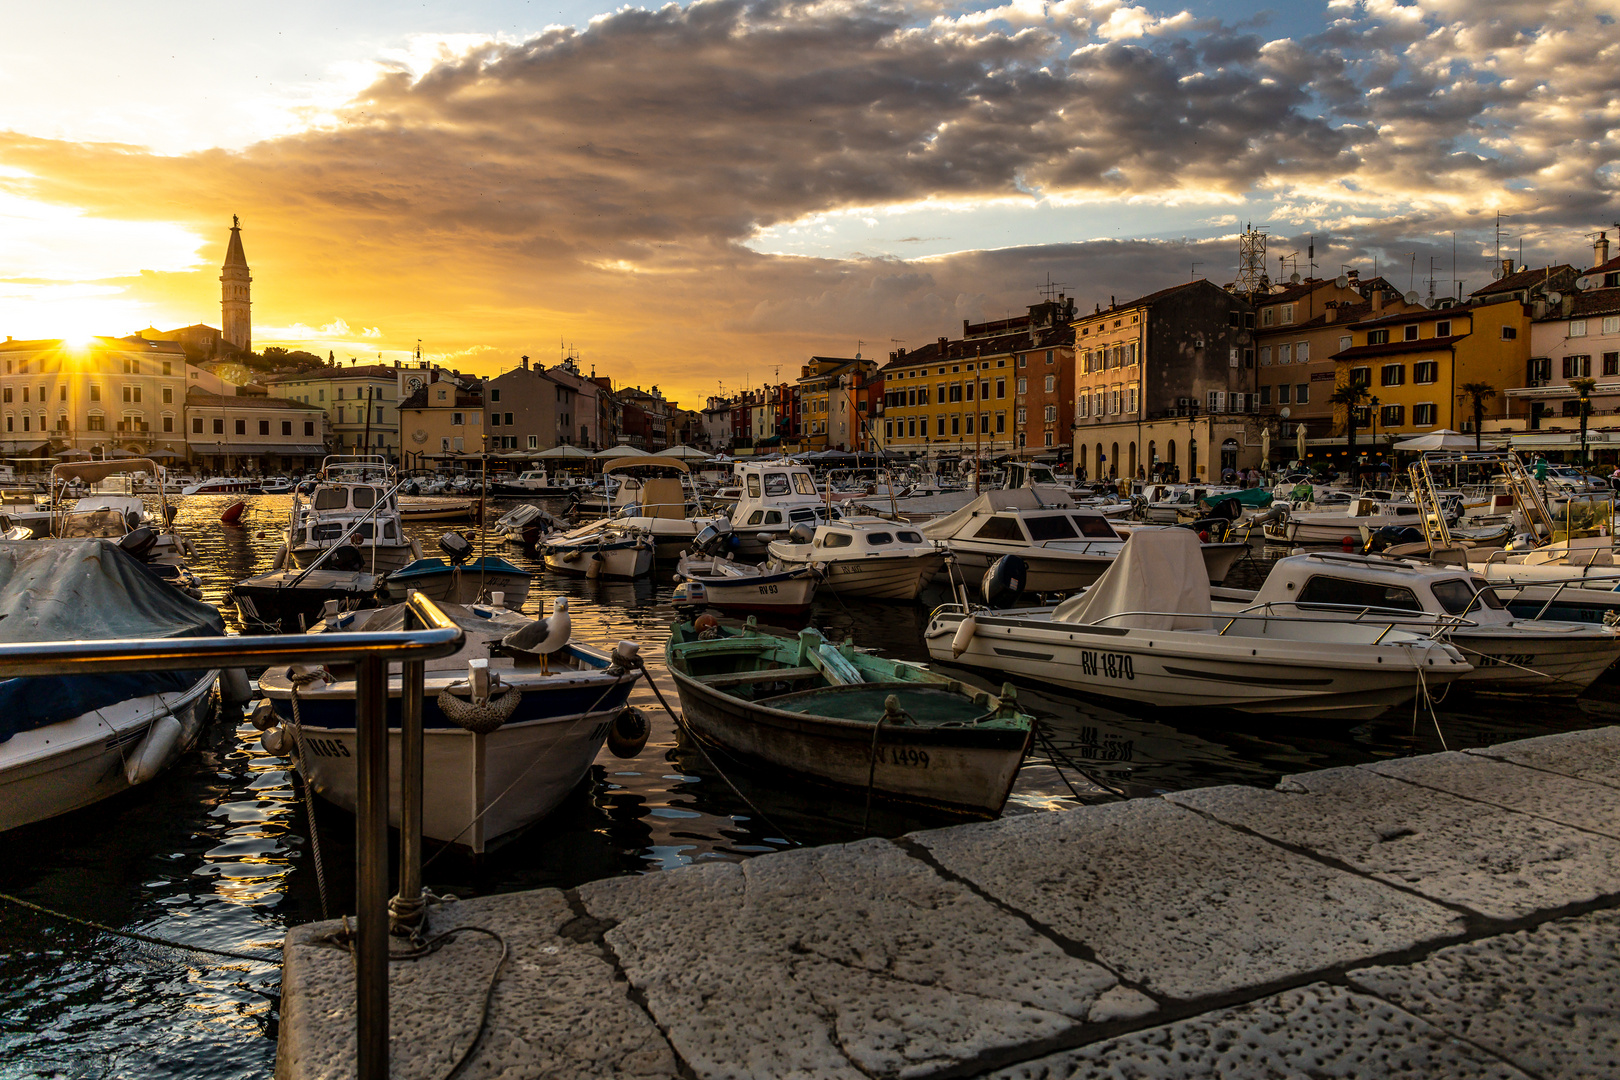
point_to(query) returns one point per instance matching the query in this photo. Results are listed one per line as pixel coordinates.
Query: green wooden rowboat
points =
(833, 714)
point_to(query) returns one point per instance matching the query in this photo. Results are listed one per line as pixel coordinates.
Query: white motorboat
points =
(531, 484)
(1147, 633)
(729, 585)
(506, 736)
(224, 485)
(863, 556)
(607, 548)
(354, 504)
(1339, 526)
(653, 499)
(434, 508)
(69, 741)
(109, 509)
(772, 499)
(1509, 654)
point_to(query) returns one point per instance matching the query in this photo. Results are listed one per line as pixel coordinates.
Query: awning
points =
(201, 446)
(1561, 390)
(1559, 440)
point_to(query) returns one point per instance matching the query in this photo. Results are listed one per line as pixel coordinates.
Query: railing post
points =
(405, 909)
(371, 884)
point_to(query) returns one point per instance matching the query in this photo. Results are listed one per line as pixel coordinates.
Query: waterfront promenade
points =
(1452, 915)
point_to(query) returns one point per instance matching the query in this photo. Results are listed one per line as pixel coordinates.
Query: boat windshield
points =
(365, 498)
(331, 498)
(1347, 592)
(911, 538)
(1456, 595)
(803, 484)
(776, 483)
(1053, 527)
(1096, 528)
(836, 540)
(879, 539)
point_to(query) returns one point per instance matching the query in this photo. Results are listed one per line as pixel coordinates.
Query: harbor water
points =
(218, 852)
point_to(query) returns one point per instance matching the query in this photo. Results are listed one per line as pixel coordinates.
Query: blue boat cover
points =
(423, 568)
(75, 590)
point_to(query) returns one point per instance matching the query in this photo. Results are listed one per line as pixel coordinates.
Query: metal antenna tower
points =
(1051, 289)
(1251, 274)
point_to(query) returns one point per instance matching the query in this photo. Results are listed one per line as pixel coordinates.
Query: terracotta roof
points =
(955, 351)
(1560, 276)
(203, 399)
(1397, 348)
(358, 371)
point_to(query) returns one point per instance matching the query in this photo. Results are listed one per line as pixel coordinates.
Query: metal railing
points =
(429, 633)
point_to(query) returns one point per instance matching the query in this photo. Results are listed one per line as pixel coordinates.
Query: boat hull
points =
(1181, 669)
(941, 769)
(513, 776)
(463, 585)
(375, 558)
(62, 767)
(623, 561)
(880, 578)
(1550, 664)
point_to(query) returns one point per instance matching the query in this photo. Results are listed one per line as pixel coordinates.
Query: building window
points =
(1509, 333)
(286, 428)
(1409, 333)
(1361, 376)
(457, 419)
(61, 393)
(888, 429)
(1285, 354)
(494, 393)
(1392, 415)
(1265, 356)
(196, 425)
(1425, 371)
(1611, 363)
(1577, 367)
(309, 428)
(1441, 329)
(1265, 316)
(494, 419)
(219, 426)
(96, 422)
(264, 427)
(1265, 395)
(1233, 356)
(1050, 356)
(1287, 313)
(1282, 394)
(95, 392)
(1001, 388)
(534, 442)
(1023, 385)
(1423, 415)
(1611, 324)
(241, 427)
(1050, 384)
(1302, 394)
(1392, 375)
(1577, 328)
(1378, 337)
(1302, 353)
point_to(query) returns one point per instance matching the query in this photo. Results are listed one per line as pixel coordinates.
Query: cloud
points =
(489, 195)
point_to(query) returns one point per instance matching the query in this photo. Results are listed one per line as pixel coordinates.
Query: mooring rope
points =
(146, 939)
(304, 678)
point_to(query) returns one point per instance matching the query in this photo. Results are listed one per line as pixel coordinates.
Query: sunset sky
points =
(702, 195)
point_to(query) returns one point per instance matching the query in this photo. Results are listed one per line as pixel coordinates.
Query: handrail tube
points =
(371, 868)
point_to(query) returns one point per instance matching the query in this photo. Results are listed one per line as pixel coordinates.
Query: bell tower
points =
(236, 283)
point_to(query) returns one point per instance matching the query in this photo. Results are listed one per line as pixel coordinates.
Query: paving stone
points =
(1181, 905)
(1316, 1031)
(1590, 755)
(1581, 803)
(842, 962)
(558, 1008)
(1499, 863)
(1546, 999)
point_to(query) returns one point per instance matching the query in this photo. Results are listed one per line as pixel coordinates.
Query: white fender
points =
(154, 751)
(263, 715)
(276, 742)
(279, 562)
(964, 635)
(234, 688)
(593, 569)
(416, 549)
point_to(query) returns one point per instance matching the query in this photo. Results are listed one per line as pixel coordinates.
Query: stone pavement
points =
(1455, 916)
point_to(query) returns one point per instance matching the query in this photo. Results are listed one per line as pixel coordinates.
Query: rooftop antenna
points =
(1411, 278)
(1051, 289)
(1432, 261)
(1499, 217)
(1193, 272)
(1251, 259)
(1310, 258)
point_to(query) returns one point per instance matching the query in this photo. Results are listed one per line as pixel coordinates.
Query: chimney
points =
(1377, 298)
(1330, 312)
(1507, 267)
(525, 363)
(942, 343)
(1600, 250)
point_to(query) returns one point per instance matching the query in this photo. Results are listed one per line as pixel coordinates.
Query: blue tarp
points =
(75, 590)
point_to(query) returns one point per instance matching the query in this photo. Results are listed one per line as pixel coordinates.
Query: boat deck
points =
(1452, 915)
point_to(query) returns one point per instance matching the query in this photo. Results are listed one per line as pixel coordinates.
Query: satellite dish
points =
(1342, 281)
(1555, 298)
(1284, 412)
(1496, 272)
(1293, 279)
(1411, 297)
(1584, 282)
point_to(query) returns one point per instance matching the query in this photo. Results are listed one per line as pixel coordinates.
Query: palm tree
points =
(1352, 395)
(1583, 387)
(1478, 393)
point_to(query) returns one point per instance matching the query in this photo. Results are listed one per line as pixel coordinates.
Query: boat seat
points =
(746, 678)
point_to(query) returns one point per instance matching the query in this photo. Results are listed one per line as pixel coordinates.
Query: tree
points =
(1477, 394)
(1352, 395)
(1583, 387)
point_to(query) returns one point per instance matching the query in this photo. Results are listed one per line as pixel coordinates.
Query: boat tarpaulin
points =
(1257, 497)
(1158, 571)
(78, 590)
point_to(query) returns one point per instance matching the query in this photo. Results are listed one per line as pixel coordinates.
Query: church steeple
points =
(235, 293)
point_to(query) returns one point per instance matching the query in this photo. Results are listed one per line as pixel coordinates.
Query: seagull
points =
(543, 636)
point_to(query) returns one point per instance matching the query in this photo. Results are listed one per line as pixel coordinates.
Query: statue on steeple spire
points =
(236, 222)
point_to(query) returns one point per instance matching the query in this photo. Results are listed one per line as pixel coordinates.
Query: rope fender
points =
(476, 718)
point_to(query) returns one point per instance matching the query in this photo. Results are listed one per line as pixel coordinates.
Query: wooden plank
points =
(745, 678)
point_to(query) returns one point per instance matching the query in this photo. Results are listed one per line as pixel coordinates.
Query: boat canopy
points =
(91, 472)
(1257, 497)
(1158, 570)
(67, 590)
(991, 502)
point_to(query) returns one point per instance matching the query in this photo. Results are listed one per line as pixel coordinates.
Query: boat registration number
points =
(1111, 665)
(767, 590)
(1511, 660)
(908, 756)
(328, 748)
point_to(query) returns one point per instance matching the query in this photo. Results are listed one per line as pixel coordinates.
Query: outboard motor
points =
(458, 547)
(139, 542)
(1211, 530)
(801, 533)
(707, 539)
(1004, 581)
(1387, 536)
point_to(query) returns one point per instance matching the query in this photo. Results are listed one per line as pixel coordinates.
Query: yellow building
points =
(1414, 365)
(360, 401)
(442, 418)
